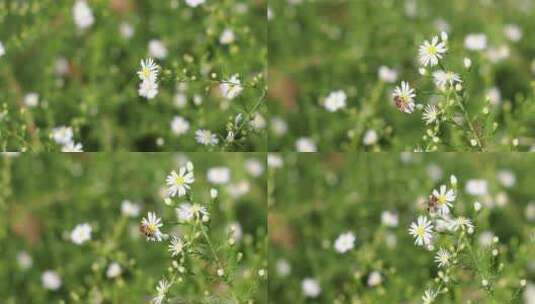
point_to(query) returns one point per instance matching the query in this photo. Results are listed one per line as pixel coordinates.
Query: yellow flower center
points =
(420, 231)
(151, 228)
(145, 72)
(431, 50)
(179, 180)
(441, 199)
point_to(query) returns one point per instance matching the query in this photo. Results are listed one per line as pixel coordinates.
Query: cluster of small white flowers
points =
(64, 136)
(148, 75)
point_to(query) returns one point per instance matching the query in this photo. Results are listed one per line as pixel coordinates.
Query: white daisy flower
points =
(148, 89)
(179, 125)
(51, 280)
(404, 98)
(179, 183)
(176, 246)
(311, 288)
(150, 227)
(461, 223)
(430, 114)
(429, 296)
(161, 289)
(149, 70)
(444, 79)
(444, 198)
(422, 231)
(82, 14)
(335, 100)
(231, 88)
(194, 3)
(81, 234)
(206, 137)
(430, 53)
(344, 242)
(442, 257)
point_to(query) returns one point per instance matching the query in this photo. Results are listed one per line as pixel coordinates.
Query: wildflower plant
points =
(98, 228)
(133, 75)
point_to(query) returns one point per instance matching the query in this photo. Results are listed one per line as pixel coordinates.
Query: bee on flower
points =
(404, 98)
(150, 227)
(443, 198)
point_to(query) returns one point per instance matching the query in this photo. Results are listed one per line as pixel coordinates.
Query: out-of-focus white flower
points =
(467, 62)
(31, 99)
(194, 3)
(157, 49)
(475, 42)
(461, 223)
(344, 242)
(254, 167)
(507, 178)
(148, 89)
(51, 280)
(305, 144)
(126, 30)
(227, 37)
(494, 95)
(335, 101)
(283, 268)
(311, 288)
(24, 259)
(513, 32)
(72, 147)
(179, 125)
(429, 296)
(387, 74)
(218, 175)
(130, 209)
(485, 238)
(370, 138)
(81, 233)
(83, 16)
(389, 218)
(476, 187)
(274, 160)
(2, 49)
(114, 270)
(206, 137)
(62, 135)
(231, 88)
(530, 211)
(279, 126)
(375, 279)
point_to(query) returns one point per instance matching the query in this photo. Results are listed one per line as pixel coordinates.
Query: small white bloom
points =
(305, 144)
(283, 268)
(231, 88)
(218, 175)
(161, 290)
(389, 218)
(114, 270)
(444, 198)
(24, 259)
(213, 193)
(130, 209)
(506, 178)
(442, 258)
(477, 206)
(206, 137)
(227, 37)
(274, 160)
(404, 98)
(51, 280)
(157, 49)
(335, 101)
(83, 16)
(461, 223)
(31, 100)
(62, 135)
(429, 296)
(513, 32)
(71, 147)
(126, 30)
(311, 288)
(81, 233)
(194, 3)
(476, 187)
(375, 279)
(344, 242)
(179, 183)
(430, 114)
(149, 70)
(387, 74)
(475, 42)
(279, 126)
(150, 226)
(467, 63)
(179, 125)
(370, 138)
(254, 167)
(445, 79)
(422, 231)
(176, 246)
(431, 52)
(2, 49)
(148, 89)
